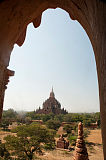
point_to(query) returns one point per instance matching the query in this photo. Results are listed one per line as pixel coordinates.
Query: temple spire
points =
(52, 88)
(52, 93)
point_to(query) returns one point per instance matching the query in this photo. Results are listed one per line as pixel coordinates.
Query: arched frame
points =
(15, 15)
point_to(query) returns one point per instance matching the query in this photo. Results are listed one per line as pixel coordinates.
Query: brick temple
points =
(62, 143)
(51, 105)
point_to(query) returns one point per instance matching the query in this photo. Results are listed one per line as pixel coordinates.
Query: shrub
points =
(52, 124)
(68, 128)
(72, 140)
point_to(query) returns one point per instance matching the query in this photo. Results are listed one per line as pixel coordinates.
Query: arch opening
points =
(91, 15)
(54, 51)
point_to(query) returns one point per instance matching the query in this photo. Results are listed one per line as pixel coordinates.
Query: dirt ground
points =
(4, 134)
(95, 150)
(95, 136)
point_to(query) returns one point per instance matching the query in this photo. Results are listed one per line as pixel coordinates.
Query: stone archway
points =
(16, 15)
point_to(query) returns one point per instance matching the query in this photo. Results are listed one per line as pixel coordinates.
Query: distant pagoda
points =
(51, 105)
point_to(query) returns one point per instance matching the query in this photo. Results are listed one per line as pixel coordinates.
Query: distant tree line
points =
(86, 118)
(51, 120)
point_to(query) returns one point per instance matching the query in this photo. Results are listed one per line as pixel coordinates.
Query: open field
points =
(95, 151)
(95, 136)
(94, 147)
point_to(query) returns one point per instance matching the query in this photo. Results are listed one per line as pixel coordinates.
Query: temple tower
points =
(51, 105)
(52, 95)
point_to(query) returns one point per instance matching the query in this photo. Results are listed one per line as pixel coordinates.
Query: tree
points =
(68, 128)
(5, 123)
(9, 114)
(4, 154)
(33, 115)
(27, 120)
(87, 123)
(59, 117)
(46, 117)
(52, 124)
(31, 138)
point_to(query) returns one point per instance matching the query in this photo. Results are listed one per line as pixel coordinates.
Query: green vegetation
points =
(29, 139)
(68, 128)
(53, 124)
(86, 132)
(72, 139)
(7, 118)
(86, 118)
(4, 154)
(10, 116)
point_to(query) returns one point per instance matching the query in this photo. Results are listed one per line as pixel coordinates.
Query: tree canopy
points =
(53, 124)
(29, 139)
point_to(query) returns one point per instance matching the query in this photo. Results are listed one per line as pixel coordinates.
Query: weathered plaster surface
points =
(2, 86)
(15, 15)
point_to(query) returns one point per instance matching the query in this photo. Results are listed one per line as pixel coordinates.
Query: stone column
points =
(2, 87)
(102, 94)
(99, 45)
(80, 150)
(4, 79)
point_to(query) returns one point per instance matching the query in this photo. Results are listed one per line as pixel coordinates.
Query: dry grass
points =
(95, 150)
(4, 134)
(95, 136)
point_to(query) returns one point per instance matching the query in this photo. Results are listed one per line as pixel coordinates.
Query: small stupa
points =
(62, 143)
(80, 149)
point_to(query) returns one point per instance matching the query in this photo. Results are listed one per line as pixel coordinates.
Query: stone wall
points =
(2, 86)
(4, 79)
(15, 15)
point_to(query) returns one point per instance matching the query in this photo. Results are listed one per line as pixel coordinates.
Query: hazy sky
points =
(57, 54)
